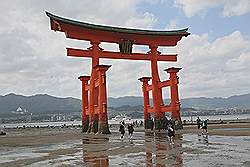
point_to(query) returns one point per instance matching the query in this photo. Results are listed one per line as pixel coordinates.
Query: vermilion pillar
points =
(93, 94)
(96, 160)
(85, 119)
(160, 153)
(144, 81)
(102, 99)
(156, 91)
(175, 103)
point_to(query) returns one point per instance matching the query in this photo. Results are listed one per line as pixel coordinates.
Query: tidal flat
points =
(69, 147)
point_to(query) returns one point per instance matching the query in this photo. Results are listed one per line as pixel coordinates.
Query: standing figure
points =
(2, 131)
(122, 129)
(165, 123)
(151, 124)
(204, 126)
(141, 124)
(171, 134)
(130, 130)
(198, 121)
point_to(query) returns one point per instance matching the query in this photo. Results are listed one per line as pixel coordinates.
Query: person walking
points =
(204, 126)
(2, 131)
(171, 134)
(130, 130)
(122, 129)
(198, 121)
(151, 124)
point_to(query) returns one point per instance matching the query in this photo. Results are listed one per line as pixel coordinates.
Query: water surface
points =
(143, 150)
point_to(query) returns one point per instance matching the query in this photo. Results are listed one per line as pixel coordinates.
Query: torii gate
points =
(94, 96)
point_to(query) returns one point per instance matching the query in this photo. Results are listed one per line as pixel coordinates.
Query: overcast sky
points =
(215, 58)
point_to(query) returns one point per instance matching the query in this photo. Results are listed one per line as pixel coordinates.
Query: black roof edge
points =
(182, 32)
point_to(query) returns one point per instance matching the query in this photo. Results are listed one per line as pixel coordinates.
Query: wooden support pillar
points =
(103, 126)
(85, 117)
(156, 91)
(95, 160)
(149, 157)
(144, 81)
(160, 148)
(93, 94)
(175, 103)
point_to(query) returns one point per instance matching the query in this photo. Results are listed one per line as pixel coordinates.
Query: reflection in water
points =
(160, 152)
(203, 138)
(178, 158)
(98, 161)
(149, 137)
(95, 157)
(100, 152)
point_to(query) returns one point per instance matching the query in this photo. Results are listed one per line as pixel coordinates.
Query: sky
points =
(215, 58)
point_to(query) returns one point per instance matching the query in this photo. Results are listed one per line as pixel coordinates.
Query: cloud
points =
(33, 58)
(216, 68)
(230, 7)
(146, 21)
(173, 23)
(236, 8)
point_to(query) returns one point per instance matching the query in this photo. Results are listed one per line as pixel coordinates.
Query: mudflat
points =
(35, 136)
(233, 129)
(226, 144)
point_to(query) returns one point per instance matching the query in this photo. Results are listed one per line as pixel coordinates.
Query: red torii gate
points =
(94, 107)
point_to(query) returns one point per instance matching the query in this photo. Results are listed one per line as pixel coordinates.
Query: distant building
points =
(52, 118)
(19, 110)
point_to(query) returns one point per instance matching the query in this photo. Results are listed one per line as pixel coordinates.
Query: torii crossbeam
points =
(94, 104)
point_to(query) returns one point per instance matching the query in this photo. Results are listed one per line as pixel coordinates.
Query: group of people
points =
(163, 123)
(130, 130)
(137, 123)
(202, 125)
(168, 125)
(2, 131)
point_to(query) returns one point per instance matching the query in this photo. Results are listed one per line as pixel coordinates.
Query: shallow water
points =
(142, 150)
(78, 123)
(234, 129)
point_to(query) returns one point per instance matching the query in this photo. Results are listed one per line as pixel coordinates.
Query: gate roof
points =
(92, 32)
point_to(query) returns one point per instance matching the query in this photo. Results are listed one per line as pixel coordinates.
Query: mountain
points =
(43, 103)
(125, 101)
(238, 101)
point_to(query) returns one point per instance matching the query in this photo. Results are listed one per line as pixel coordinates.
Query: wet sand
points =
(225, 144)
(34, 136)
(234, 129)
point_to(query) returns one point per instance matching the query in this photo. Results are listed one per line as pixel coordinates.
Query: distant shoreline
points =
(77, 124)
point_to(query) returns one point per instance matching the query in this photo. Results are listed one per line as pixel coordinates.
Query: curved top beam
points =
(117, 29)
(86, 31)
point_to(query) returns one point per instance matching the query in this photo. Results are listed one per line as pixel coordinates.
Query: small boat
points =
(121, 117)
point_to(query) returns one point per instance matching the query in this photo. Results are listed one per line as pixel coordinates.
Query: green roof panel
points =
(182, 32)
